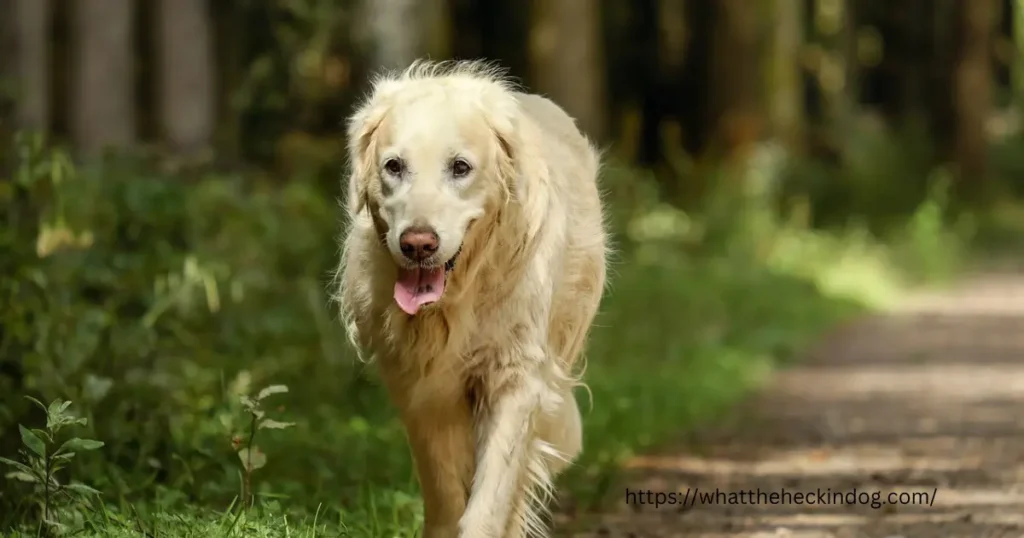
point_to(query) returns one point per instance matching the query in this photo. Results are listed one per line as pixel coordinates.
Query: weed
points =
(248, 452)
(41, 462)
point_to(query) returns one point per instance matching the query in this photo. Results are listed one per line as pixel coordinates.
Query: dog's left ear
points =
(506, 159)
(522, 164)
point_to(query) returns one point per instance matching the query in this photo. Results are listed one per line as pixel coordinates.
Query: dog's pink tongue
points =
(417, 287)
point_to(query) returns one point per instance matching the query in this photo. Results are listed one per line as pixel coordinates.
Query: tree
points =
(567, 60)
(659, 67)
(186, 67)
(400, 31)
(734, 85)
(30, 63)
(911, 47)
(654, 69)
(104, 82)
(8, 50)
(974, 22)
(1016, 12)
(785, 79)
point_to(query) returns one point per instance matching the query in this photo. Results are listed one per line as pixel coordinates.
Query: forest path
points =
(920, 409)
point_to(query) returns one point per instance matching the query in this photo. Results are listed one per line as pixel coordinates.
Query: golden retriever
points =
(472, 267)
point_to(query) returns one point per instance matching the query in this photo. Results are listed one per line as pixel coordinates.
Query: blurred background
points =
(170, 172)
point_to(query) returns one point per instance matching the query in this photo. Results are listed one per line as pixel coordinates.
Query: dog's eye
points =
(460, 168)
(394, 166)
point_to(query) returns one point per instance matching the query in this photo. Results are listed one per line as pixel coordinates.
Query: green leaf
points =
(79, 445)
(252, 458)
(83, 489)
(37, 402)
(275, 425)
(57, 407)
(32, 441)
(55, 417)
(248, 402)
(272, 389)
(56, 422)
(43, 434)
(22, 476)
(18, 465)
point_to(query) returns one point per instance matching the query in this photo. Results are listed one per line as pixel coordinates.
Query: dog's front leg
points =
(442, 446)
(441, 437)
(506, 456)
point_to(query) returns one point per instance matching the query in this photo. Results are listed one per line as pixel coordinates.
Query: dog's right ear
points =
(362, 145)
(361, 148)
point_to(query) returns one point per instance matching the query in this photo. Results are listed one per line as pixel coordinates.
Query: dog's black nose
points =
(418, 243)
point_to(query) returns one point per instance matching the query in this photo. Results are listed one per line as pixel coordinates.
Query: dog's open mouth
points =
(420, 286)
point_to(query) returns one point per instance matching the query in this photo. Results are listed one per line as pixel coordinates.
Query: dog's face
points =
(429, 172)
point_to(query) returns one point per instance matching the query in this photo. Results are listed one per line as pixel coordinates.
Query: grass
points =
(157, 304)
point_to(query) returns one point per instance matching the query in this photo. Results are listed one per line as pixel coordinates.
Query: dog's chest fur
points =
(447, 352)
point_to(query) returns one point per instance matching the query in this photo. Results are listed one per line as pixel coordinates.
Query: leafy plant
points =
(248, 452)
(41, 461)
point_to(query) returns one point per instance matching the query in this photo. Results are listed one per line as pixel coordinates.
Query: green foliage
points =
(41, 462)
(929, 244)
(188, 293)
(251, 456)
(879, 176)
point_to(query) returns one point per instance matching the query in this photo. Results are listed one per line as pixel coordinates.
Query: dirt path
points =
(925, 403)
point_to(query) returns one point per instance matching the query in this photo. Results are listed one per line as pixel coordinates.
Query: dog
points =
(472, 267)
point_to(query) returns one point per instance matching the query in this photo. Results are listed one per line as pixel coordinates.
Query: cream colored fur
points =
(483, 378)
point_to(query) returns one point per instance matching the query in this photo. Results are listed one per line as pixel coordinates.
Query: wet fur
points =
(483, 379)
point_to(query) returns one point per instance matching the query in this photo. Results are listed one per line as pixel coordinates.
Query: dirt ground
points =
(904, 425)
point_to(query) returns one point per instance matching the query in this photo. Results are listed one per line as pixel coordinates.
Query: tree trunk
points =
(785, 77)
(8, 78)
(1016, 12)
(734, 84)
(31, 64)
(186, 67)
(104, 111)
(840, 89)
(654, 71)
(435, 17)
(400, 31)
(231, 33)
(909, 33)
(695, 90)
(663, 125)
(672, 36)
(8, 66)
(568, 61)
(972, 91)
(835, 87)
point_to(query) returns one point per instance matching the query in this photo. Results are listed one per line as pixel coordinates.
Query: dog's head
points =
(431, 153)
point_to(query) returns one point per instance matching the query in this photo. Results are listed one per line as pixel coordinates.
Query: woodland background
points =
(169, 184)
